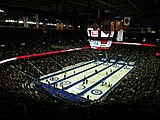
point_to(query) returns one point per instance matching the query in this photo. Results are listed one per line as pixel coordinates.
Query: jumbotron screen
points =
(100, 44)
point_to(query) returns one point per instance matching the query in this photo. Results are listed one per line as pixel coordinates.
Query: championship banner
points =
(61, 26)
(120, 35)
(25, 20)
(57, 26)
(112, 25)
(118, 25)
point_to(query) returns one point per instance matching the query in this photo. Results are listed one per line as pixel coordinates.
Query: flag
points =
(127, 21)
(25, 20)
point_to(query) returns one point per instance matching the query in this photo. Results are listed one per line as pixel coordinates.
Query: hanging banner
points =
(127, 21)
(37, 20)
(112, 25)
(61, 26)
(120, 35)
(25, 20)
(57, 26)
(44, 27)
(118, 25)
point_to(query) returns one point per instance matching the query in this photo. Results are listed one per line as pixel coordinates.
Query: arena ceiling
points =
(142, 12)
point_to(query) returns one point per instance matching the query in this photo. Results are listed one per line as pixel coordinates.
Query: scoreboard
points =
(99, 39)
(100, 44)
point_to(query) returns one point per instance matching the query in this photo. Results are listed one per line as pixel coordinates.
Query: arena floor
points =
(91, 80)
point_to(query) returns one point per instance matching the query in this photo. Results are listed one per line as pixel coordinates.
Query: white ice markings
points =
(85, 74)
(93, 79)
(73, 73)
(112, 80)
(98, 90)
(60, 74)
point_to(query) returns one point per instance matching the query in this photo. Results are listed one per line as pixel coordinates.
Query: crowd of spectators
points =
(135, 97)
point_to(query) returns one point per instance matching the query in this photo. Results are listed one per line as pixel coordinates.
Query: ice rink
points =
(91, 80)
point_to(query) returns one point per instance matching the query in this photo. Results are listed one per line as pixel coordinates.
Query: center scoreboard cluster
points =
(98, 39)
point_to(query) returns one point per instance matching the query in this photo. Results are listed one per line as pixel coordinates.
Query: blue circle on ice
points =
(96, 92)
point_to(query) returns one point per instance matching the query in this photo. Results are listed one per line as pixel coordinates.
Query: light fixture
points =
(106, 11)
(1, 10)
